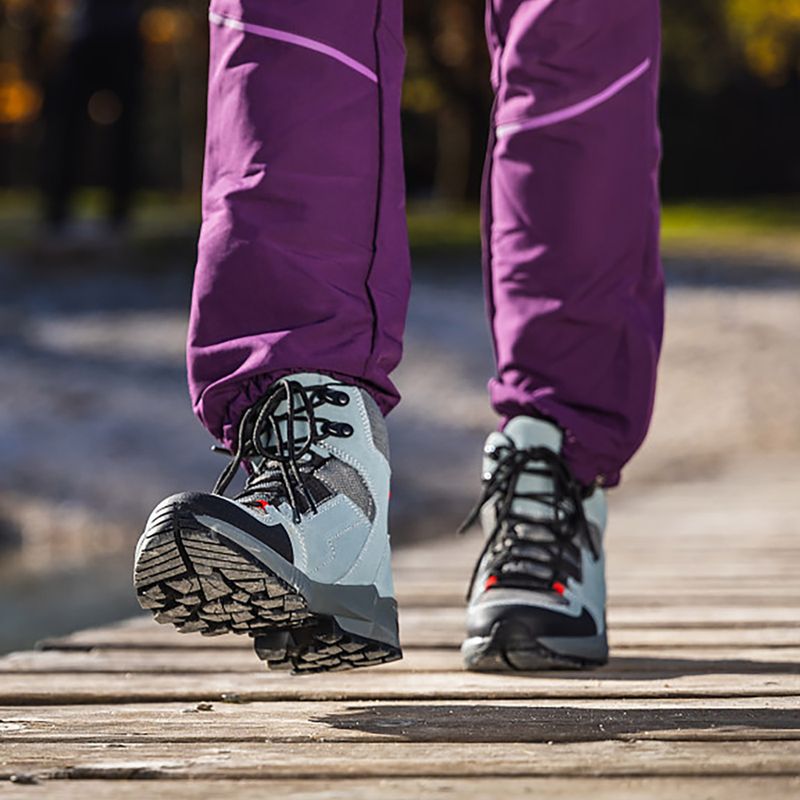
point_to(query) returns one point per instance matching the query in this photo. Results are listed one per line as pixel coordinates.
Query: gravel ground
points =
(95, 426)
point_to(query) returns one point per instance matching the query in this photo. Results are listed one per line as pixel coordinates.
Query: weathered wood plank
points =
(664, 662)
(452, 619)
(687, 568)
(435, 722)
(450, 557)
(151, 636)
(770, 597)
(381, 683)
(670, 616)
(428, 590)
(395, 759)
(779, 626)
(473, 788)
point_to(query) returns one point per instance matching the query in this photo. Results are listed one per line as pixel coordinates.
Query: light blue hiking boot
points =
(300, 559)
(537, 599)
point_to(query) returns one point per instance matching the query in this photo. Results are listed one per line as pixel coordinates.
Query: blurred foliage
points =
(730, 101)
(754, 229)
(20, 99)
(763, 226)
(768, 32)
(447, 97)
(708, 43)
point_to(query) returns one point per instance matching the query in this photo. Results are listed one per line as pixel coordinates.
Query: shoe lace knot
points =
(274, 442)
(532, 545)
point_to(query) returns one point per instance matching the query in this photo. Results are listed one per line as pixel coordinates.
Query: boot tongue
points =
(531, 432)
(525, 432)
(300, 429)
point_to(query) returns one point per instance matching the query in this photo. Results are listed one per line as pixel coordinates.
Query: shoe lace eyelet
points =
(341, 429)
(335, 397)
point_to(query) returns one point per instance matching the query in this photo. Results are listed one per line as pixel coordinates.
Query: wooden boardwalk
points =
(701, 698)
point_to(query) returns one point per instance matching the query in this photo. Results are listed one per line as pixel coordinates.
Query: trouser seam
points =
(378, 190)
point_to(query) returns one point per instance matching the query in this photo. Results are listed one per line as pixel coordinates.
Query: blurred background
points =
(102, 106)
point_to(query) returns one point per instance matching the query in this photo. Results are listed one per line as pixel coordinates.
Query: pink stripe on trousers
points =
(510, 128)
(293, 38)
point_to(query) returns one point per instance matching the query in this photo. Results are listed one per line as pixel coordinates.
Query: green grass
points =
(723, 224)
(762, 226)
(769, 226)
(435, 228)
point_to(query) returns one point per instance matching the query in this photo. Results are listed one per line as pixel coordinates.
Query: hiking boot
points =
(299, 559)
(537, 596)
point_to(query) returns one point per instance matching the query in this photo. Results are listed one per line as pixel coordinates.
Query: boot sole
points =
(201, 581)
(506, 649)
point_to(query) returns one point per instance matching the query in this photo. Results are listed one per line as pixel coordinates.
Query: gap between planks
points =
(473, 788)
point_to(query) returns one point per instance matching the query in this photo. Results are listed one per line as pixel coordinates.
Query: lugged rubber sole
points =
(507, 649)
(324, 647)
(200, 581)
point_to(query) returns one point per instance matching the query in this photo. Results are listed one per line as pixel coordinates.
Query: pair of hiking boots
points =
(300, 559)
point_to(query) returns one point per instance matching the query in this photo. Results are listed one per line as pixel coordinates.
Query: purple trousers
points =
(303, 255)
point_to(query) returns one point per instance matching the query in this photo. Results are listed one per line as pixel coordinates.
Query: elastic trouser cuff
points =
(588, 450)
(225, 426)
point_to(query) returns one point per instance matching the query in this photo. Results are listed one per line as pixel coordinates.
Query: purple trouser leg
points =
(573, 276)
(303, 258)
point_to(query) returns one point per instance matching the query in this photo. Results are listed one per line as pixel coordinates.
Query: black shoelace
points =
(531, 552)
(279, 464)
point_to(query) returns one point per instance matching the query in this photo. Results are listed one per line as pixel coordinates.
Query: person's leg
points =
(573, 275)
(122, 59)
(303, 257)
(299, 305)
(67, 92)
(575, 300)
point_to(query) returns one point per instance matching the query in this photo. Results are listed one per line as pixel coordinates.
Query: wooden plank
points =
(787, 597)
(381, 683)
(742, 616)
(685, 567)
(453, 576)
(453, 619)
(473, 788)
(690, 638)
(682, 538)
(450, 556)
(453, 564)
(151, 636)
(435, 722)
(394, 759)
(665, 662)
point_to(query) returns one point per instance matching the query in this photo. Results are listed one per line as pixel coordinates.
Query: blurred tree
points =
(448, 78)
(175, 54)
(698, 52)
(92, 105)
(730, 101)
(768, 32)
(731, 97)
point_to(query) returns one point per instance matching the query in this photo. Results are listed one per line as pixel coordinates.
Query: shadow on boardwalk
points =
(515, 724)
